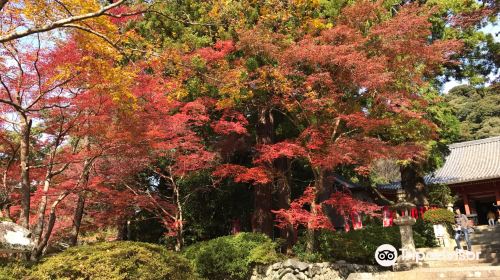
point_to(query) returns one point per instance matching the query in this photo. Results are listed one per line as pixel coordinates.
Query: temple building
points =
(472, 171)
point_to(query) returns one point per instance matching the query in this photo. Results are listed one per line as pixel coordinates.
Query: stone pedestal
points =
(405, 228)
(406, 260)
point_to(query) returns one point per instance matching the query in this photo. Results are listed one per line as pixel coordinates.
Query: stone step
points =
(487, 256)
(436, 264)
(483, 248)
(452, 273)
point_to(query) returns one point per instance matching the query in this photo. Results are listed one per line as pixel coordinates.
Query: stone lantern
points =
(405, 223)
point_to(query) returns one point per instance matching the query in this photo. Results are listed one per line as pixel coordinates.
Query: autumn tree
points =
(20, 19)
(353, 82)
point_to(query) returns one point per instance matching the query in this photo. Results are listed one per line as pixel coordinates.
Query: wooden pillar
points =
(466, 203)
(497, 195)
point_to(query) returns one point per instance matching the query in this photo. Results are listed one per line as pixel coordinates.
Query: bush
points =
(425, 231)
(439, 216)
(231, 257)
(355, 246)
(441, 195)
(359, 246)
(113, 261)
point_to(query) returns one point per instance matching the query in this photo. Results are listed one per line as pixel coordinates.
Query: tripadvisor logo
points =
(386, 255)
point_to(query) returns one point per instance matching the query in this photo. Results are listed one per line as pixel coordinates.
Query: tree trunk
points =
(7, 211)
(283, 200)
(414, 185)
(39, 248)
(25, 178)
(80, 205)
(179, 237)
(77, 219)
(262, 218)
(122, 230)
(323, 185)
(312, 234)
(42, 206)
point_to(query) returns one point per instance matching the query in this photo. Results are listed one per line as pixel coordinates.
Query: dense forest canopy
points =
(179, 121)
(477, 109)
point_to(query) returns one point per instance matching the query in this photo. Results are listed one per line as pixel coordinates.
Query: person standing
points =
(491, 218)
(461, 228)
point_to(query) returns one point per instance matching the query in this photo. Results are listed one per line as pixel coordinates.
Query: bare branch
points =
(6, 88)
(91, 31)
(43, 93)
(17, 107)
(57, 24)
(35, 64)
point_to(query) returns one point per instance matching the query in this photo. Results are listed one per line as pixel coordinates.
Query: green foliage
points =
(441, 195)
(358, 246)
(424, 232)
(191, 24)
(231, 257)
(210, 213)
(477, 109)
(13, 270)
(115, 260)
(439, 216)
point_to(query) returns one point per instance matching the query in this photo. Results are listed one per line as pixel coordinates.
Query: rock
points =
(301, 276)
(292, 269)
(277, 266)
(284, 272)
(290, 263)
(14, 238)
(255, 277)
(314, 270)
(341, 262)
(269, 270)
(289, 276)
(302, 266)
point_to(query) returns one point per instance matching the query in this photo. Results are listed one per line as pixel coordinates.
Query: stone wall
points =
(292, 269)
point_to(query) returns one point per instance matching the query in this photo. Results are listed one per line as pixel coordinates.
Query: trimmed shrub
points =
(115, 261)
(231, 257)
(355, 246)
(439, 216)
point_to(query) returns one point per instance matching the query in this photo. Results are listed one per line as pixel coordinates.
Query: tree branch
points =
(89, 30)
(57, 24)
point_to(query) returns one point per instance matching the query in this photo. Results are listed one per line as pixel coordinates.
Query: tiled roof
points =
(470, 161)
(467, 162)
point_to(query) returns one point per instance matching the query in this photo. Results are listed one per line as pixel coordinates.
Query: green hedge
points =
(231, 257)
(115, 261)
(355, 246)
(439, 216)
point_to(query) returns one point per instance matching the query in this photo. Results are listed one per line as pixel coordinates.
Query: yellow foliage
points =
(39, 12)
